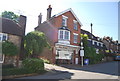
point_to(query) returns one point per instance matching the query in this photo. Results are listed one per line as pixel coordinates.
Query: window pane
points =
(75, 38)
(4, 37)
(75, 25)
(63, 22)
(66, 35)
(61, 34)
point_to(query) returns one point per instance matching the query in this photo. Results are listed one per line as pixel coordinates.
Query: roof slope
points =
(10, 27)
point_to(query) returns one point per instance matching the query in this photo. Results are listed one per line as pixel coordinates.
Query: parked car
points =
(117, 58)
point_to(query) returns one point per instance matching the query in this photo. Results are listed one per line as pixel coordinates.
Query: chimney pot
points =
(49, 12)
(39, 19)
(49, 6)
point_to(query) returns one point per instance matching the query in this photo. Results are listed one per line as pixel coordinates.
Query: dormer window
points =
(64, 20)
(75, 25)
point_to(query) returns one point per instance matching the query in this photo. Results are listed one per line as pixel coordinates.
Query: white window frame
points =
(60, 34)
(2, 57)
(75, 22)
(65, 18)
(64, 35)
(75, 34)
(1, 36)
(93, 42)
(97, 43)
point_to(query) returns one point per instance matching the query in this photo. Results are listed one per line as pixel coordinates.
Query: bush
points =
(5, 66)
(33, 64)
(9, 49)
(15, 71)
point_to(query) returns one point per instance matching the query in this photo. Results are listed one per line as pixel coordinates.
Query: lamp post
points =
(81, 53)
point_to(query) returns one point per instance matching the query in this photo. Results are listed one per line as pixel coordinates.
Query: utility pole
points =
(91, 33)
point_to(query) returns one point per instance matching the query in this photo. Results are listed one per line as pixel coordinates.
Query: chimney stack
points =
(22, 23)
(39, 19)
(49, 12)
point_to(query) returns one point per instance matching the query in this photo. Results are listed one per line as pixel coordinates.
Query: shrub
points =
(5, 66)
(34, 43)
(9, 49)
(33, 64)
(15, 71)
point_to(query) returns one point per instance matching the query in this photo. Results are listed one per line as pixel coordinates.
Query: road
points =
(107, 70)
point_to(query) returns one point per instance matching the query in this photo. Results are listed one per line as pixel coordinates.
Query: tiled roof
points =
(10, 27)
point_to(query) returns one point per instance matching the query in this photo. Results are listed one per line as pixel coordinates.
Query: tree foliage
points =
(11, 15)
(33, 64)
(9, 49)
(90, 52)
(34, 43)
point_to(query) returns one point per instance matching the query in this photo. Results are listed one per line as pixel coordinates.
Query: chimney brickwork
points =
(22, 23)
(49, 12)
(39, 19)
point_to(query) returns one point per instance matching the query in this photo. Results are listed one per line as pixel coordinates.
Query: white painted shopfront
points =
(65, 53)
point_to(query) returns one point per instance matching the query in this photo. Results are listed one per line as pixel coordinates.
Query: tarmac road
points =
(108, 70)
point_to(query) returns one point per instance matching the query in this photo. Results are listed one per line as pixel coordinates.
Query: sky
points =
(103, 14)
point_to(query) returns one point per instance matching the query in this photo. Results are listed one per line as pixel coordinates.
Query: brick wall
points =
(58, 23)
(15, 39)
(49, 30)
(47, 54)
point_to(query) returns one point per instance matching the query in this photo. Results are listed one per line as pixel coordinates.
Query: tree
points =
(34, 43)
(10, 15)
(90, 52)
(85, 45)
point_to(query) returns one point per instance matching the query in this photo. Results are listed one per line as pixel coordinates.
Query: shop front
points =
(67, 54)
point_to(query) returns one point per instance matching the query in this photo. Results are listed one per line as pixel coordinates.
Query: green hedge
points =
(4, 66)
(33, 64)
(15, 71)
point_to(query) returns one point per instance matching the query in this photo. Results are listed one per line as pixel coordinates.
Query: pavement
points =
(107, 70)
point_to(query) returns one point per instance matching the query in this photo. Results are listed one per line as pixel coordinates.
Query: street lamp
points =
(82, 53)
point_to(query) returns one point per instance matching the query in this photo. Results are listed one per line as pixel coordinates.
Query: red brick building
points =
(63, 33)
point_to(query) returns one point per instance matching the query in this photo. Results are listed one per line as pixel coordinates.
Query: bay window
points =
(64, 35)
(61, 34)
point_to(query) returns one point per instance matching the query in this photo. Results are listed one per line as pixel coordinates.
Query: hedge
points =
(33, 64)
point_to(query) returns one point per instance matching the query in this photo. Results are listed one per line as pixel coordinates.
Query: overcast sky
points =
(103, 15)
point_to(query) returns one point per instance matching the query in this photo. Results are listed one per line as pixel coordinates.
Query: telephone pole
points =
(91, 33)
